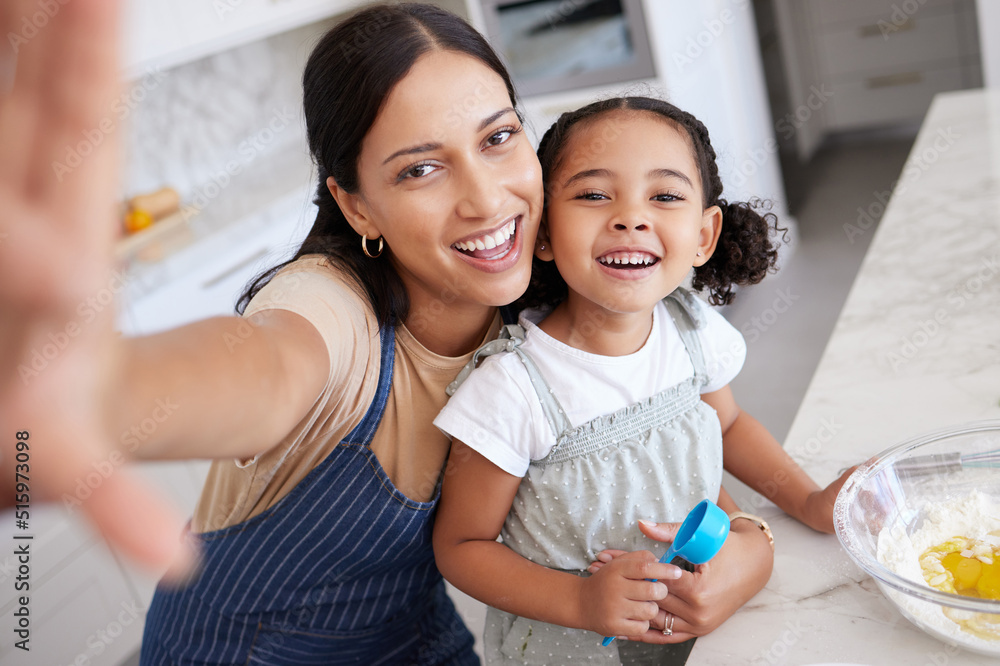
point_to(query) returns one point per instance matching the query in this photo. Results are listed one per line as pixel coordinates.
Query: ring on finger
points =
(668, 629)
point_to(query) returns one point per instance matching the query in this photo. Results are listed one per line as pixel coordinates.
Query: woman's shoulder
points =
(326, 296)
(314, 281)
(319, 272)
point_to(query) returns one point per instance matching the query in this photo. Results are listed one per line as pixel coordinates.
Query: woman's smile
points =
(494, 250)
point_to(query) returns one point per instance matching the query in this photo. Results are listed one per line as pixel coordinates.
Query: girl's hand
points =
(620, 599)
(57, 231)
(702, 600)
(819, 504)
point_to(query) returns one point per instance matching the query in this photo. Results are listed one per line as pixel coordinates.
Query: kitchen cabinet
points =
(877, 63)
(161, 35)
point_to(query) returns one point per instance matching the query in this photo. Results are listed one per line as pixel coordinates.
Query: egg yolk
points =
(964, 566)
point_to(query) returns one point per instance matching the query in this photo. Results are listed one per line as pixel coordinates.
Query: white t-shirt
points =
(497, 413)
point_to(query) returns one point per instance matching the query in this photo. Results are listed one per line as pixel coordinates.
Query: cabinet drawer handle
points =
(902, 79)
(883, 28)
(211, 282)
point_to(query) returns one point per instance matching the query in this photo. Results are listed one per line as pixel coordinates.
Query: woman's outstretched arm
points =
(224, 387)
(67, 408)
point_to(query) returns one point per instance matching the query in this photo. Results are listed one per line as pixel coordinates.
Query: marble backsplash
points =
(226, 131)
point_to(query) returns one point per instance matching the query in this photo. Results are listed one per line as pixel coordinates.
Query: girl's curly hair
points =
(746, 250)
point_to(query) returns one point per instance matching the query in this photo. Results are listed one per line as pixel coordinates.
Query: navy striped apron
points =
(339, 571)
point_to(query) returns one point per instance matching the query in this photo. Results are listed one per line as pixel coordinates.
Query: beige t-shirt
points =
(408, 446)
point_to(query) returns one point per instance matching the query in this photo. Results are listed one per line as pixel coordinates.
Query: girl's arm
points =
(756, 458)
(475, 498)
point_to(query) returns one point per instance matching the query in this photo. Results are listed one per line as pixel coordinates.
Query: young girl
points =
(612, 404)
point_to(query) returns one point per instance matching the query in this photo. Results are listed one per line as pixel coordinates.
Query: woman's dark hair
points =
(745, 251)
(347, 79)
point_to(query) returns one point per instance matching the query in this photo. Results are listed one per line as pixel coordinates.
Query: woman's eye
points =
(417, 171)
(502, 136)
(498, 138)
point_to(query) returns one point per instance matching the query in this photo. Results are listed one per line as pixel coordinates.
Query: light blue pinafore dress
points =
(655, 459)
(339, 571)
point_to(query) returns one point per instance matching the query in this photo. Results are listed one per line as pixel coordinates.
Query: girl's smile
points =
(625, 223)
(629, 263)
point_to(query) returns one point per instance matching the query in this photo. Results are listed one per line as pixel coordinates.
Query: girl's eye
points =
(591, 195)
(668, 196)
(502, 136)
(417, 171)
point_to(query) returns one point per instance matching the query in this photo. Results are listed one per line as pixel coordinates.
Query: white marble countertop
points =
(916, 348)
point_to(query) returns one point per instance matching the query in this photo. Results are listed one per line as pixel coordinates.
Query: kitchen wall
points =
(226, 131)
(989, 25)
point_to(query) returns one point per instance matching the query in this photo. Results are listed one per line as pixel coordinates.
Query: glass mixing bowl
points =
(890, 505)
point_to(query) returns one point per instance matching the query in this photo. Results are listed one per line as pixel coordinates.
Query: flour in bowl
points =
(976, 518)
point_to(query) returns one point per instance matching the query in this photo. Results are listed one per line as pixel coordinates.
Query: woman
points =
(314, 524)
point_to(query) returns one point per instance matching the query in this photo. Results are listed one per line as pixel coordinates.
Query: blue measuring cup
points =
(699, 539)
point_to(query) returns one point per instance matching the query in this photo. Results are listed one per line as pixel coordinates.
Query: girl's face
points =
(452, 183)
(625, 221)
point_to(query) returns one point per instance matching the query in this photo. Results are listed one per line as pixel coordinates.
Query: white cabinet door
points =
(165, 33)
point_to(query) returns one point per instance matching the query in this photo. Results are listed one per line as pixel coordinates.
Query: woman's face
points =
(449, 179)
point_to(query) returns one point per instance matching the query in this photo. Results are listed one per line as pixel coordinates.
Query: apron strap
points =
(510, 339)
(688, 317)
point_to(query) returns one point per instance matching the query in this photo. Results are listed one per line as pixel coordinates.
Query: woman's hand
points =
(702, 600)
(620, 598)
(58, 187)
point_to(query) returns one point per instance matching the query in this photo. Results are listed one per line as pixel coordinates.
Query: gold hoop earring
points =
(364, 247)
